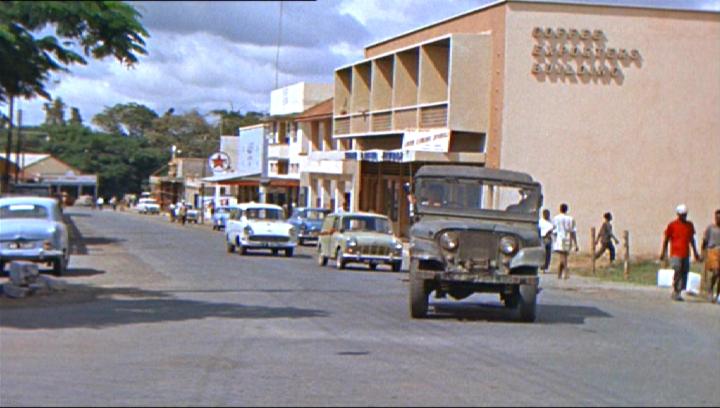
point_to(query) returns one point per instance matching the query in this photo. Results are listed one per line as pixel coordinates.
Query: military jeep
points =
(475, 230)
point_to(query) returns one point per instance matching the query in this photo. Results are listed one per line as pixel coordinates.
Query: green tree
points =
(99, 28)
(75, 118)
(55, 112)
(190, 132)
(230, 120)
(130, 119)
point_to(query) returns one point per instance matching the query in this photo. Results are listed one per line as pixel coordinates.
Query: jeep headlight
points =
(352, 242)
(449, 241)
(508, 245)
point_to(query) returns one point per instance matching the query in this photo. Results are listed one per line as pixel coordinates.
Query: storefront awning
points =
(229, 177)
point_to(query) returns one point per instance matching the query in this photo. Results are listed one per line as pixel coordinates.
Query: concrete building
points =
(611, 108)
(288, 144)
(327, 176)
(58, 176)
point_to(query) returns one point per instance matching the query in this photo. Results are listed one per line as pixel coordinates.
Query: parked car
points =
(84, 201)
(308, 222)
(192, 215)
(220, 217)
(360, 238)
(260, 226)
(148, 206)
(475, 230)
(33, 229)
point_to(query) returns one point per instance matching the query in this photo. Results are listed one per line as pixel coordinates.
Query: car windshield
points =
(264, 214)
(23, 211)
(472, 194)
(366, 223)
(317, 215)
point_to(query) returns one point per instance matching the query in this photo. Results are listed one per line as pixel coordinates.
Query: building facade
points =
(611, 108)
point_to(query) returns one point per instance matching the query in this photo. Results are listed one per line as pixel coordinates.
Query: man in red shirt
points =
(680, 234)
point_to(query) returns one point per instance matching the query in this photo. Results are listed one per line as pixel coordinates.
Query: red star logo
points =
(218, 162)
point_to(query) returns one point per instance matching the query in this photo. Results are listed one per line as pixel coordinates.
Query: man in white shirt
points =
(546, 232)
(565, 237)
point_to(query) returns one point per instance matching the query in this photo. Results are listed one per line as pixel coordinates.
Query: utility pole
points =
(5, 183)
(18, 145)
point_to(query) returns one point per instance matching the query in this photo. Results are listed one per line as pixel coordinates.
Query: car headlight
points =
(47, 245)
(248, 230)
(449, 241)
(508, 245)
(292, 231)
(352, 242)
(303, 227)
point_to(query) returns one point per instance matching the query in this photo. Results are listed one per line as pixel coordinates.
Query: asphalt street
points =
(159, 314)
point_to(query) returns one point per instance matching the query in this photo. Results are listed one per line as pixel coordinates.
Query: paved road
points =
(159, 314)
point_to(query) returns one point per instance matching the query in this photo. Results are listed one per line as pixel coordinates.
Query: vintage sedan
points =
(33, 229)
(148, 206)
(260, 226)
(308, 222)
(361, 238)
(220, 217)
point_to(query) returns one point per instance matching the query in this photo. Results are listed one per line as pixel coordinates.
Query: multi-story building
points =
(612, 108)
(327, 177)
(287, 143)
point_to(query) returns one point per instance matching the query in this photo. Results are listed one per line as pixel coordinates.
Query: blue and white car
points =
(260, 226)
(33, 229)
(220, 216)
(308, 222)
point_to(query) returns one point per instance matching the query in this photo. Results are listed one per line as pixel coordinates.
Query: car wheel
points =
(230, 246)
(301, 241)
(241, 249)
(419, 292)
(396, 266)
(59, 267)
(528, 303)
(289, 252)
(2, 268)
(372, 266)
(274, 252)
(339, 261)
(321, 260)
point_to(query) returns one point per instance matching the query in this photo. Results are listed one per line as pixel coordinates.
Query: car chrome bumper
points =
(35, 255)
(372, 258)
(268, 244)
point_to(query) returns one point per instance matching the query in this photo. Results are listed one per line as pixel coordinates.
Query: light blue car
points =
(220, 217)
(33, 229)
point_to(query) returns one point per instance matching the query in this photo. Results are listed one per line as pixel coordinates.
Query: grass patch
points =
(642, 271)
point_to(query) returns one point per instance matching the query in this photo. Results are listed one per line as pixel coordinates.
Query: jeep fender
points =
(532, 257)
(425, 250)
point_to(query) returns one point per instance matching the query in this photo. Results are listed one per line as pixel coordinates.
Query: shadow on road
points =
(78, 242)
(546, 314)
(78, 272)
(83, 306)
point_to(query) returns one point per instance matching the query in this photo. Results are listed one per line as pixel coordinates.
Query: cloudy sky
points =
(221, 55)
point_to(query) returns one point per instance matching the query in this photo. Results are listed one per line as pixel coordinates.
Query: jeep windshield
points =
(463, 194)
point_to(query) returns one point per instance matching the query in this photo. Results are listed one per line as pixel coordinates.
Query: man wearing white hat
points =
(680, 234)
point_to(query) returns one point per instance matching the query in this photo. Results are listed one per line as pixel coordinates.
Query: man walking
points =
(606, 238)
(680, 234)
(711, 247)
(546, 230)
(565, 237)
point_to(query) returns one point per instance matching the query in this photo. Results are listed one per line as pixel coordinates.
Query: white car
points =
(148, 206)
(259, 226)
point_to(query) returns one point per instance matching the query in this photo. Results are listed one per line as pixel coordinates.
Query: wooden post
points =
(626, 247)
(592, 249)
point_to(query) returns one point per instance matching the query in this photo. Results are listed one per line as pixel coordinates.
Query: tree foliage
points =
(98, 28)
(130, 119)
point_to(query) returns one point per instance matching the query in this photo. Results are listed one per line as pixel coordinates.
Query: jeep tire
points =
(527, 304)
(418, 294)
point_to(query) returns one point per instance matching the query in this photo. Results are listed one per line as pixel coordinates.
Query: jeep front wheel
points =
(418, 294)
(527, 302)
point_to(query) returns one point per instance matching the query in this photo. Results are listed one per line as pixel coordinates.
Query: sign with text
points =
(428, 140)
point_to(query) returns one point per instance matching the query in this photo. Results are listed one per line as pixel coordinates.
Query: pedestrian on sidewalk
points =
(183, 212)
(711, 249)
(100, 202)
(565, 237)
(606, 238)
(680, 234)
(546, 234)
